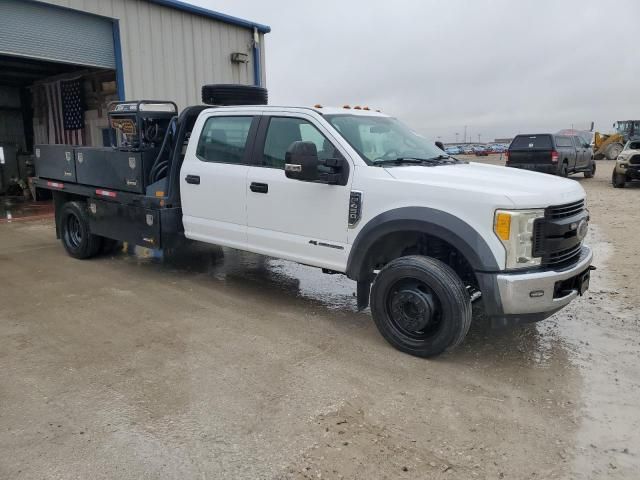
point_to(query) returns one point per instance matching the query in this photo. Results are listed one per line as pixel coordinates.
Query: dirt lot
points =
(217, 364)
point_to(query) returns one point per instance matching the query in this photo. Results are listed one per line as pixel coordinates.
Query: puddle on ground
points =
(235, 267)
(13, 208)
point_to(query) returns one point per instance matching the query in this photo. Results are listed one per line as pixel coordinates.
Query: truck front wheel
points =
(76, 238)
(420, 305)
(618, 180)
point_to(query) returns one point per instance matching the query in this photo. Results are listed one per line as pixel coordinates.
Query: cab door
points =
(581, 162)
(213, 178)
(302, 221)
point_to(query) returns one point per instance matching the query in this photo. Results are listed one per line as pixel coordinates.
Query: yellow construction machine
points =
(609, 145)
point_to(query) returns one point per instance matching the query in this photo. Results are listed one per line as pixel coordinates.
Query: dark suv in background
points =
(549, 153)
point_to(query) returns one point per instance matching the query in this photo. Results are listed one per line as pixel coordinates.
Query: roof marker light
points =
(317, 105)
(357, 107)
(347, 107)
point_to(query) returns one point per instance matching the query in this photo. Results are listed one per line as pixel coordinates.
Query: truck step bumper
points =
(540, 292)
(513, 298)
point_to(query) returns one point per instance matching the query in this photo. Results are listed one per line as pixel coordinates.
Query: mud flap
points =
(363, 292)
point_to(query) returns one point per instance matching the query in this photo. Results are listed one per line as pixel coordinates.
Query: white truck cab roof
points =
(317, 109)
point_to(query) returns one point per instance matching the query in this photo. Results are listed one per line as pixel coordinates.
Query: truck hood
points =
(524, 188)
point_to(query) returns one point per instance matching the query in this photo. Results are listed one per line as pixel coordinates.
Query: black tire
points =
(564, 170)
(618, 180)
(592, 172)
(234, 95)
(420, 305)
(75, 235)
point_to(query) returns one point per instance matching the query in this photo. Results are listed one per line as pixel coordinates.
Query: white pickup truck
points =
(351, 191)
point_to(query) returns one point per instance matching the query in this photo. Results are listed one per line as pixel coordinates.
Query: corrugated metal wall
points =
(168, 53)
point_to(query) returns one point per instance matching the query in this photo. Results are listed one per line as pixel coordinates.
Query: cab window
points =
(224, 139)
(563, 142)
(283, 131)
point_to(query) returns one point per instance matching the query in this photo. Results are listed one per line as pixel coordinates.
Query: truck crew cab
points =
(350, 191)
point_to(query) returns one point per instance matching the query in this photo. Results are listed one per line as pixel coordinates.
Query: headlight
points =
(514, 228)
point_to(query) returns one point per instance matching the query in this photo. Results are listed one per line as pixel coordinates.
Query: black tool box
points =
(113, 168)
(55, 162)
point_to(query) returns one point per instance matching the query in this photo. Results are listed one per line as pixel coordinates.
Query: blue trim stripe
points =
(186, 7)
(117, 50)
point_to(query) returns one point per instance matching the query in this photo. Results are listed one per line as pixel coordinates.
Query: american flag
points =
(66, 115)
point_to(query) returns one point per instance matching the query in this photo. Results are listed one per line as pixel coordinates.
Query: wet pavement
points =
(17, 209)
(213, 363)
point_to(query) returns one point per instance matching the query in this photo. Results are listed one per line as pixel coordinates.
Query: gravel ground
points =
(219, 364)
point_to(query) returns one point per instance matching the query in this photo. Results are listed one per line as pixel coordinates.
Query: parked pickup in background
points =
(556, 154)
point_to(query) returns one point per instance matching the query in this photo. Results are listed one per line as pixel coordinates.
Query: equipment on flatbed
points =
(139, 132)
(609, 145)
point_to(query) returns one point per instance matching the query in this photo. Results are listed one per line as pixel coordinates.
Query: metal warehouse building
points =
(63, 61)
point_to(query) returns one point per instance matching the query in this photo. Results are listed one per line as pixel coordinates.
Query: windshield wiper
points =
(444, 159)
(439, 160)
(398, 161)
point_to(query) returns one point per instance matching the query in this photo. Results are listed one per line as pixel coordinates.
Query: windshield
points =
(623, 127)
(380, 139)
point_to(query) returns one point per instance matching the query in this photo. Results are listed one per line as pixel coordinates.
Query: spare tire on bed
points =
(229, 94)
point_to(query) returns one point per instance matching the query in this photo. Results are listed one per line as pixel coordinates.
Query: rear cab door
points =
(567, 152)
(582, 162)
(213, 177)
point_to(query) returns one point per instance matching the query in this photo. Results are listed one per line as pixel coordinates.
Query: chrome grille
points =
(564, 211)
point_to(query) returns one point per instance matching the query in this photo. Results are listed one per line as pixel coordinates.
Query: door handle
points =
(259, 187)
(193, 179)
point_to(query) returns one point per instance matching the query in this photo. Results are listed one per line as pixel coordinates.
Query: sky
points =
(497, 67)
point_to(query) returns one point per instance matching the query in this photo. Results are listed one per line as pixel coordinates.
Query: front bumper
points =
(534, 295)
(631, 172)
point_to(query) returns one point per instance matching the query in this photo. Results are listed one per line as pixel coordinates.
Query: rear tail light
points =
(554, 156)
(506, 156)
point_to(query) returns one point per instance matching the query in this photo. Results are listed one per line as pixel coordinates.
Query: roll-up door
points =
(36, 30)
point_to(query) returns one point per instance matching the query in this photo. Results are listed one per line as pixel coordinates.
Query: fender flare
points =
(433, 222)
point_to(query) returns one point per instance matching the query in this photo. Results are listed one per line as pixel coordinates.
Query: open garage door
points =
(39, 31)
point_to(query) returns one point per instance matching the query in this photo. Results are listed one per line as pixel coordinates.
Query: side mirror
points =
(301, 161)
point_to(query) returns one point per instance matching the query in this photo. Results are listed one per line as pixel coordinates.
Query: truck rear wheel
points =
(564, 170)
(75, 235)
(420, 306)
(592, 170)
